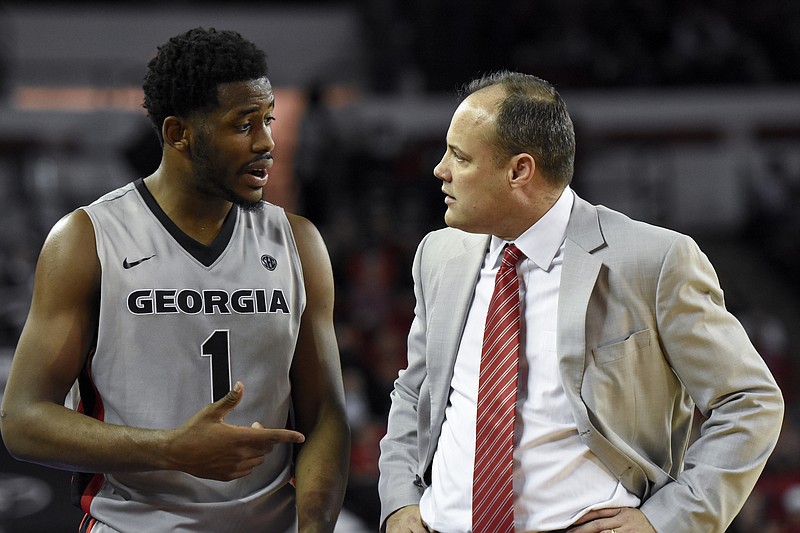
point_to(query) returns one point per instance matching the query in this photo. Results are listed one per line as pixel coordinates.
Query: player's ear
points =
(175, 133)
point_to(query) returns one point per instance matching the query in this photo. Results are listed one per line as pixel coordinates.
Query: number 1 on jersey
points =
(218, 348)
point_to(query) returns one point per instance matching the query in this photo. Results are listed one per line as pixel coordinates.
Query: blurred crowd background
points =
(687, 114)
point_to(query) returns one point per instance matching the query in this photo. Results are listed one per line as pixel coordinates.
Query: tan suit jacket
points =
(643, 336)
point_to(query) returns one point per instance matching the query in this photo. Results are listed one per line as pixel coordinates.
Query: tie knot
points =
(512, 255)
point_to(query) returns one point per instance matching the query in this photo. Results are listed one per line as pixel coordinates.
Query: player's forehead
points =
(245, 96)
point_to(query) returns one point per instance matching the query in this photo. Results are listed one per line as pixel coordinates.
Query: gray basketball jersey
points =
(180, 322)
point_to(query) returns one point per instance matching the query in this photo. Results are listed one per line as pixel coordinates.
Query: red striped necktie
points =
(493, 477)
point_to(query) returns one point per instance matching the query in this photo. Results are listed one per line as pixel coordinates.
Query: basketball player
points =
(162, 300)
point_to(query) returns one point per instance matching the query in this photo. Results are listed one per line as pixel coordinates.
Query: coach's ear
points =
(175, 133)
(521, 169)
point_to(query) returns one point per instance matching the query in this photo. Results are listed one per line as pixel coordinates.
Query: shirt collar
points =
(540, 243)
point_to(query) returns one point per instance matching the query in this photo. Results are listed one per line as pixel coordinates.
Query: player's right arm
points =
(58, 334)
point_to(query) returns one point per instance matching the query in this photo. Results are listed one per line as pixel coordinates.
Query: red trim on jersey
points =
(91, 490)
(87, 524)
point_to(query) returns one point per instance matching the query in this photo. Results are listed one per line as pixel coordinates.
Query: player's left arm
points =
(318, 393)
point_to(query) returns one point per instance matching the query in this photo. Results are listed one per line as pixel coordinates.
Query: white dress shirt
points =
(557, 478)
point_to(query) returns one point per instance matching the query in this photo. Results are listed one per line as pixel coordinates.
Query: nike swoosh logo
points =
(126, 265)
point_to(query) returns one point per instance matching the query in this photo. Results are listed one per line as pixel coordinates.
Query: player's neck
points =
(200, 216)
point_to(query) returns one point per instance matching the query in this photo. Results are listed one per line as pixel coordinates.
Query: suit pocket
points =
(621, 349)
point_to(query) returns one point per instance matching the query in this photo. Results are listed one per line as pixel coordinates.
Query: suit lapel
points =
(578, 279)
(458, 278)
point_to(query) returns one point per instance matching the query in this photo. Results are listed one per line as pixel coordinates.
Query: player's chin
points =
(249, 200)
(249, 206)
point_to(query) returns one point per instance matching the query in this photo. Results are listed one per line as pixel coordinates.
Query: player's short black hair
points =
(183, 77)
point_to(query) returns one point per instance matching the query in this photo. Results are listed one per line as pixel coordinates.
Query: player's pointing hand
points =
(208, 447)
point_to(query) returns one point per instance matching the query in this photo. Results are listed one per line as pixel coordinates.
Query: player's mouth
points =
(258, 172)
